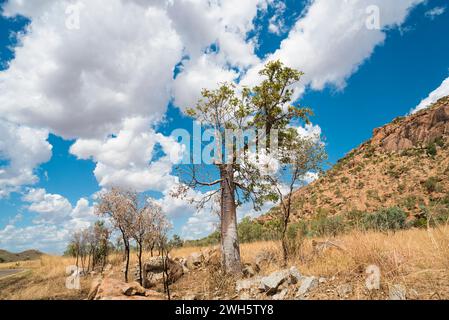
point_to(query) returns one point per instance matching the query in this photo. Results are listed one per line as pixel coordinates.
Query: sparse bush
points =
(431, 149)
(327, 226)
(432, 185)
(386, 219)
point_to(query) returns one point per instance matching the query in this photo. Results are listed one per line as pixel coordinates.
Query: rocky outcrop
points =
(153, 271)
(416, 130)
(113, 289)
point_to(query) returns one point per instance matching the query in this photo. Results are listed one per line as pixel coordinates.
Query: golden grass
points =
(417, 259)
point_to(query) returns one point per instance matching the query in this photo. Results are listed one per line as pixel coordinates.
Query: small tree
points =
(118, 205)
(298, 157)
(150, 222)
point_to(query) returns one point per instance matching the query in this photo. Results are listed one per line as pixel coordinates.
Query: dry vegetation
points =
(416, 258)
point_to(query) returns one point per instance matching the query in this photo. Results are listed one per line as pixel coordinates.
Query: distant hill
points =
(405, 165)
(6, 256)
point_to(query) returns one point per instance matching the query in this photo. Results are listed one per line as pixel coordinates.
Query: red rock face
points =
(416, 130)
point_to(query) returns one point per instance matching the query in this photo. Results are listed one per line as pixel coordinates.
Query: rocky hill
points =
(6, 256)
(405, 164)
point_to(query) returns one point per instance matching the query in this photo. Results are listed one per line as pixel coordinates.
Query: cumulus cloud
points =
(434, 96)
(332, 39)
(84, 82)
(22, 149)
(128, 159)
(56, 219)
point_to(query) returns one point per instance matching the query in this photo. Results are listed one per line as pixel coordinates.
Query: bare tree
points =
(118, 205)
(150, 224)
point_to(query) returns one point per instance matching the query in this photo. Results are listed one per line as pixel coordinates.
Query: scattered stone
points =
(344, 290)
(191, 297)
(133, 289)
(194, 261)
(154, 264)
(113, 289)
(271, 283)
(322, 280)
(397, 292)
(308, 284)
(246, 284)
(295, 275)
(281, 295)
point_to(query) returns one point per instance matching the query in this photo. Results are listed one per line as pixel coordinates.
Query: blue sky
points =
(84, 108)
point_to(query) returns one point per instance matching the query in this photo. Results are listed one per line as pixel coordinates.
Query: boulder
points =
(153, 271)
(397, 292)
(194, 261)
(154, 264)
(132, 289)
(308, 284)
(113, 289)
(271, 283)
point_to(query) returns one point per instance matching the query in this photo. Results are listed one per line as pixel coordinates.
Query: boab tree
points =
(264, 107)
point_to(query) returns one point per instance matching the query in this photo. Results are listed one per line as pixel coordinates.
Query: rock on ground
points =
(308, 284)
(397, 292)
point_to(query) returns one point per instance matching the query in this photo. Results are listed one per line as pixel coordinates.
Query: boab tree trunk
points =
(229, 236)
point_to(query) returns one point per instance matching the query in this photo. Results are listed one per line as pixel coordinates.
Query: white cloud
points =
(435, 12)
(434, 96)
(56, 220)
(126, 160)
(22, 149)
(276, 23)
(82, 83)
(331, 40)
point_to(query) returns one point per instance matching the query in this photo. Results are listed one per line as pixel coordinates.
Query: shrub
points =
(249, 231)
(431, 149)
(432, 185)
(386, 219)
(323, 225)
(297, 229)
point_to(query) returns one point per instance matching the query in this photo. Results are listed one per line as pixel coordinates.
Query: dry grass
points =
(417, 259)
(43, 280)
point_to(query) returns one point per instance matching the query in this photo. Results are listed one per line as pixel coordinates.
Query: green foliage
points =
(431, 149)
(386, 219)
(432, 185)
(210, 240)
(176, 242)
(249, 231)
(324, 225)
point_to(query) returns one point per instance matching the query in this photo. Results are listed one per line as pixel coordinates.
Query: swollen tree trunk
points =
(229, 236)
